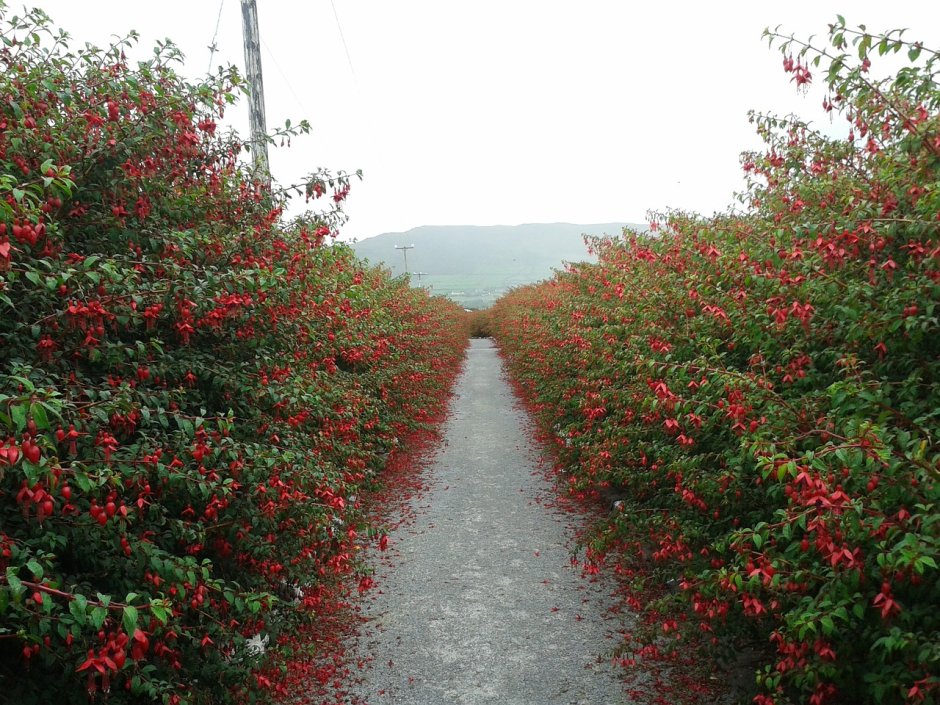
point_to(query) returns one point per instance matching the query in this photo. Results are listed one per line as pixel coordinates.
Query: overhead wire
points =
(343, 38)
(212, 47)
(284, 76)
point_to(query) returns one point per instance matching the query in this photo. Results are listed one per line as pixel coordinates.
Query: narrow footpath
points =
(476, 600)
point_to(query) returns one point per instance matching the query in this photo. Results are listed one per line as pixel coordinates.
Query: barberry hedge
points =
(193, 390)
(759, 392)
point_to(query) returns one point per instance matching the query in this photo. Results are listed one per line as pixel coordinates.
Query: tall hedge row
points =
(759, 392)
(192, 389)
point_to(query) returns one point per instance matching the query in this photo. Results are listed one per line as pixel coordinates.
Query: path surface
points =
(476, 600)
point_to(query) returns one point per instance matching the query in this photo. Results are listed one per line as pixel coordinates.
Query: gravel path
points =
(476, 600)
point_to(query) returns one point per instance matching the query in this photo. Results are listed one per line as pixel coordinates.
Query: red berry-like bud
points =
(31, 452)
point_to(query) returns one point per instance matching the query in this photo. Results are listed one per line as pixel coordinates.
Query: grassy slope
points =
(474, 265)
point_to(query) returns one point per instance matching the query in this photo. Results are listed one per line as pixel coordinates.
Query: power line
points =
(343, 37)
(212, 47)
(284, 76)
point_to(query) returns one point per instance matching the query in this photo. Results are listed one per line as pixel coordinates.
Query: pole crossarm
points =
(404, 250)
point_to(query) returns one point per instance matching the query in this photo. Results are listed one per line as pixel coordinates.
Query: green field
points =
(471, 290)
(475, 265)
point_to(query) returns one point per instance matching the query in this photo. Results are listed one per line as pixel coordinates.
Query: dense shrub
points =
(191, 389)
(478, 323)
(760, 392)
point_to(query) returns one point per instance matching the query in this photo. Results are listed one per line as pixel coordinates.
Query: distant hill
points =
(475, 264)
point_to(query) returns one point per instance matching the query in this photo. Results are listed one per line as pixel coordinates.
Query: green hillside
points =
(474, 264)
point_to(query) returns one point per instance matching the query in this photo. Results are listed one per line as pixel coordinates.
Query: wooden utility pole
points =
(259, 129)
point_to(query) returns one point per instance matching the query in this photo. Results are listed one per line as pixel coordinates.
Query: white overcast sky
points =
(508, 111)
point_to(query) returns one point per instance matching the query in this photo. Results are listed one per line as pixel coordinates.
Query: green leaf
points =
(78, 609)
(129, 619)
(186, 426)
(159, 611)
(83, 481)
(16, 585)
(98, 615)
(18, 194)
(35, 568)
(38, 413)
(18, 413)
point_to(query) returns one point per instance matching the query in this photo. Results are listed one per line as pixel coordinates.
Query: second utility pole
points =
(259, 129)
